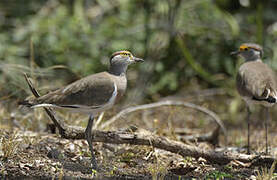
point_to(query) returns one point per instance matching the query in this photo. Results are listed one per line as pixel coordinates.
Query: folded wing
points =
(93, 91)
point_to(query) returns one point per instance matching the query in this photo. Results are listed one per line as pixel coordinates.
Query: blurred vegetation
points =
(183, 42)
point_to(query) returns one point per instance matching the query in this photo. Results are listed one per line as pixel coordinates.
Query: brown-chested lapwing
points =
(92, 94)
(255, 82)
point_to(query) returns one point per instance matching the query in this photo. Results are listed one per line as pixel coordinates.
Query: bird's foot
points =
(93, 168)
(93, 164)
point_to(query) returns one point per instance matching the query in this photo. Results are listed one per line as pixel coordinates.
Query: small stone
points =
(202, 160)
(72, 147)
(252, 177)
(53, 169)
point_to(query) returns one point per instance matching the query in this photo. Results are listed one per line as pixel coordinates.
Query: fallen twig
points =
(166, 103)
(184, 150)
(139, 138)
(98, 121)
(211, 137)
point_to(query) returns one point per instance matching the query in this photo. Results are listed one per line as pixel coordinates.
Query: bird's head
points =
(124, 58)
(120, 61)
(249, 51)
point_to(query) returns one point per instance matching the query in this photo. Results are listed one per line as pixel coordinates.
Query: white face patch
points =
(257, 52)
(130, 61)
(121, 59)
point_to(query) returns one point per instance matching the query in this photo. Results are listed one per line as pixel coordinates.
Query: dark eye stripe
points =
(256, 49)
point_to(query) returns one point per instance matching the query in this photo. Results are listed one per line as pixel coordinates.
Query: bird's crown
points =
(122, 53)
(247, 46)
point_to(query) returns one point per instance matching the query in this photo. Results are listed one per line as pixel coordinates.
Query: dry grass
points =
(9, 144)
(267, 174)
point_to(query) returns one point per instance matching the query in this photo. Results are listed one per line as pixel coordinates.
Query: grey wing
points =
(251, 83)
(93, 91)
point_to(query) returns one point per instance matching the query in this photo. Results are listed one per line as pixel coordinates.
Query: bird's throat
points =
(118, 69)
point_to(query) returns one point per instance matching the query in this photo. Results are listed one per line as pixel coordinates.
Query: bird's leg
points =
(248, 129)
(266, 129)
(89, 140)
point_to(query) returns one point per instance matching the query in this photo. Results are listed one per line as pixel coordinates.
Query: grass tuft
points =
(267, 174)
(9, 145)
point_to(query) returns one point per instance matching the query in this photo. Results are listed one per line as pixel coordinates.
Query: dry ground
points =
(29, 150)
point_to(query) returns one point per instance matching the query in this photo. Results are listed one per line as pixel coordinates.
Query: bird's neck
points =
(254, 57)
(118, 69)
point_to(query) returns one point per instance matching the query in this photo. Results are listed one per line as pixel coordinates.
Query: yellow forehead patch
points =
(249, 46)
(122, 53)
(125, 53)
(243, 47)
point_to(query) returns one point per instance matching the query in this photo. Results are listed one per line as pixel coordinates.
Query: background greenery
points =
(186, 44)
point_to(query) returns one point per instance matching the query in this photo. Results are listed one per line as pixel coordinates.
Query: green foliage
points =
(180, 40)
(218, 175)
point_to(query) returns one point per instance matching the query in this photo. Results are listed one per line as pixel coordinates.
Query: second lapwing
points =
(256, 83)
(92, 94)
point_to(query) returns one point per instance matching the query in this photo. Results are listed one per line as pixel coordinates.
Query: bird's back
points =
(254, 79)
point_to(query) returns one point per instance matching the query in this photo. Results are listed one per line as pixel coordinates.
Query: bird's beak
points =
(235, 53)
(138, 59)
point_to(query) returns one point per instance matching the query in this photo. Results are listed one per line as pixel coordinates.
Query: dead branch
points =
(138, 138)
(210, 137)
(166, 103)
(176, 147)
